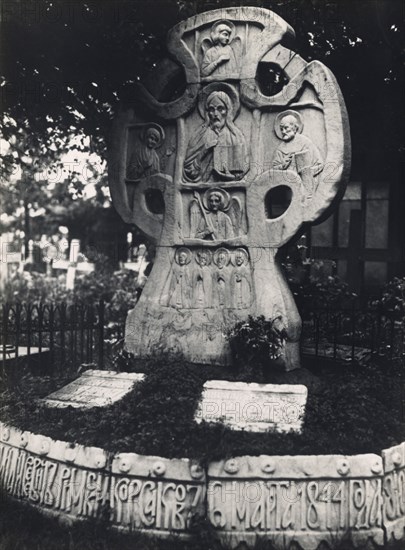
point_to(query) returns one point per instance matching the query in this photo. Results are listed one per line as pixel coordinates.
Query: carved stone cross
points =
(220, 170)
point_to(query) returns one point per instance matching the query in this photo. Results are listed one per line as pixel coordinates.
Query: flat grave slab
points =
(94, 388)
(253, 407)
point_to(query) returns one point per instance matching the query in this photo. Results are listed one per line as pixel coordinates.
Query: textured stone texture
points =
(253, 407)
(306, 499)
(94, 388)
(303, 499)
(220, 164)
(147, 493)
(394, 492)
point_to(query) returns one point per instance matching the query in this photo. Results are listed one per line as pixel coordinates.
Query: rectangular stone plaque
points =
(253, 407)
(94, 388)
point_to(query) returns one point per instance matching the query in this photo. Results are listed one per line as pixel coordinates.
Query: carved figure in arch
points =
(181, 280)
(221, 53)
(208, 217)
(144, 161)
(220, 292)
(241, 280)
(202, 286)
(217, 151)
(297, 152)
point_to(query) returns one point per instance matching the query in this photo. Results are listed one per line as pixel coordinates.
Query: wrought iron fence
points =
(73, 334)
(352, 334)
(62, 334)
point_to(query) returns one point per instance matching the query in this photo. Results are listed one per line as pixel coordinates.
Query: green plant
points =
(392, 300)
(349, 411)
(257, 343)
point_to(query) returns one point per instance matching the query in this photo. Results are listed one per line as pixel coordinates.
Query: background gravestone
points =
(220, 172)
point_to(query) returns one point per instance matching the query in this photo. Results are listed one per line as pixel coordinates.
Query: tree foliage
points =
(66, 66)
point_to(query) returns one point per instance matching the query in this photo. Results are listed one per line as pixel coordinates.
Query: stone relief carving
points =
(221, 296)
(217, 151)
(222, 128)
(241, 280)
(144, 160)
(219, 279)
(181, 280)
(297, 152)
(217, 216)
(202, 282)
(222, 52)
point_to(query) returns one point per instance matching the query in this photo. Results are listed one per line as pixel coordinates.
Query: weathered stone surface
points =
(94, 388)
(147, 493)
(394, 492)
(156, 493)
(306, 499)
(300, 499)
(253, 407)
(229, 175)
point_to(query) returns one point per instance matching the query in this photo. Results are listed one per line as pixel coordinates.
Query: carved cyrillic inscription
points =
(52, 484)
(129, 501)
(141, 504)
(394, 495)
(313, 505)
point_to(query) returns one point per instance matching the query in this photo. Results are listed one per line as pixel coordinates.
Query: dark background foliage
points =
(65, 65)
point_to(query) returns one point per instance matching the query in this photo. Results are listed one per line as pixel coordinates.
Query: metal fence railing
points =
(69, 334)
(73, 334)
(348, 333)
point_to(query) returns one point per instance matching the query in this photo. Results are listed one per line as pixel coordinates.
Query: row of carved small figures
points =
(221, 257)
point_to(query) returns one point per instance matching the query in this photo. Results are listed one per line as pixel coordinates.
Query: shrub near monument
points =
(356, 411)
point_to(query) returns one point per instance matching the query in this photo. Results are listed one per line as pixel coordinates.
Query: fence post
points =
(18, 309)
(29, 327)
(101, 334)
(353, 323)
(62, 318)
(4, 336)
(52, 334)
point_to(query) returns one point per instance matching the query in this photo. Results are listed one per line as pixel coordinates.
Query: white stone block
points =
(94, 388)
(253, 407)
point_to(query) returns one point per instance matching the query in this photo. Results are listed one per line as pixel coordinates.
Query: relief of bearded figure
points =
(217, 151)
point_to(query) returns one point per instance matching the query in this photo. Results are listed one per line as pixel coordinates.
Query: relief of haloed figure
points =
(216, 216)
(217, 150)
(297, 152)
(202, 280)
(241, 280)
(221, 295)
(144, 161)
(180, 288)
(221, 52)
(217, 280)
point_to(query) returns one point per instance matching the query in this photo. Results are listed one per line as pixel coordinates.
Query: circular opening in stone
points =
(174, 87)
(154, 201)
(271, 78)
(277, 200)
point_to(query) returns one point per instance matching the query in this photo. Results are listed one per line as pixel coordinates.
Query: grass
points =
(349, 411)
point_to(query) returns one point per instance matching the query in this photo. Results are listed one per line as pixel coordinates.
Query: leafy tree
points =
(67, 65)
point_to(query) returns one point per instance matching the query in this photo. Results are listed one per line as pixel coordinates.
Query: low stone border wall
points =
(306, 499)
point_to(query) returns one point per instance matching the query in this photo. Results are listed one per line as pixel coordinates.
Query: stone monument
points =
(219, 173)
